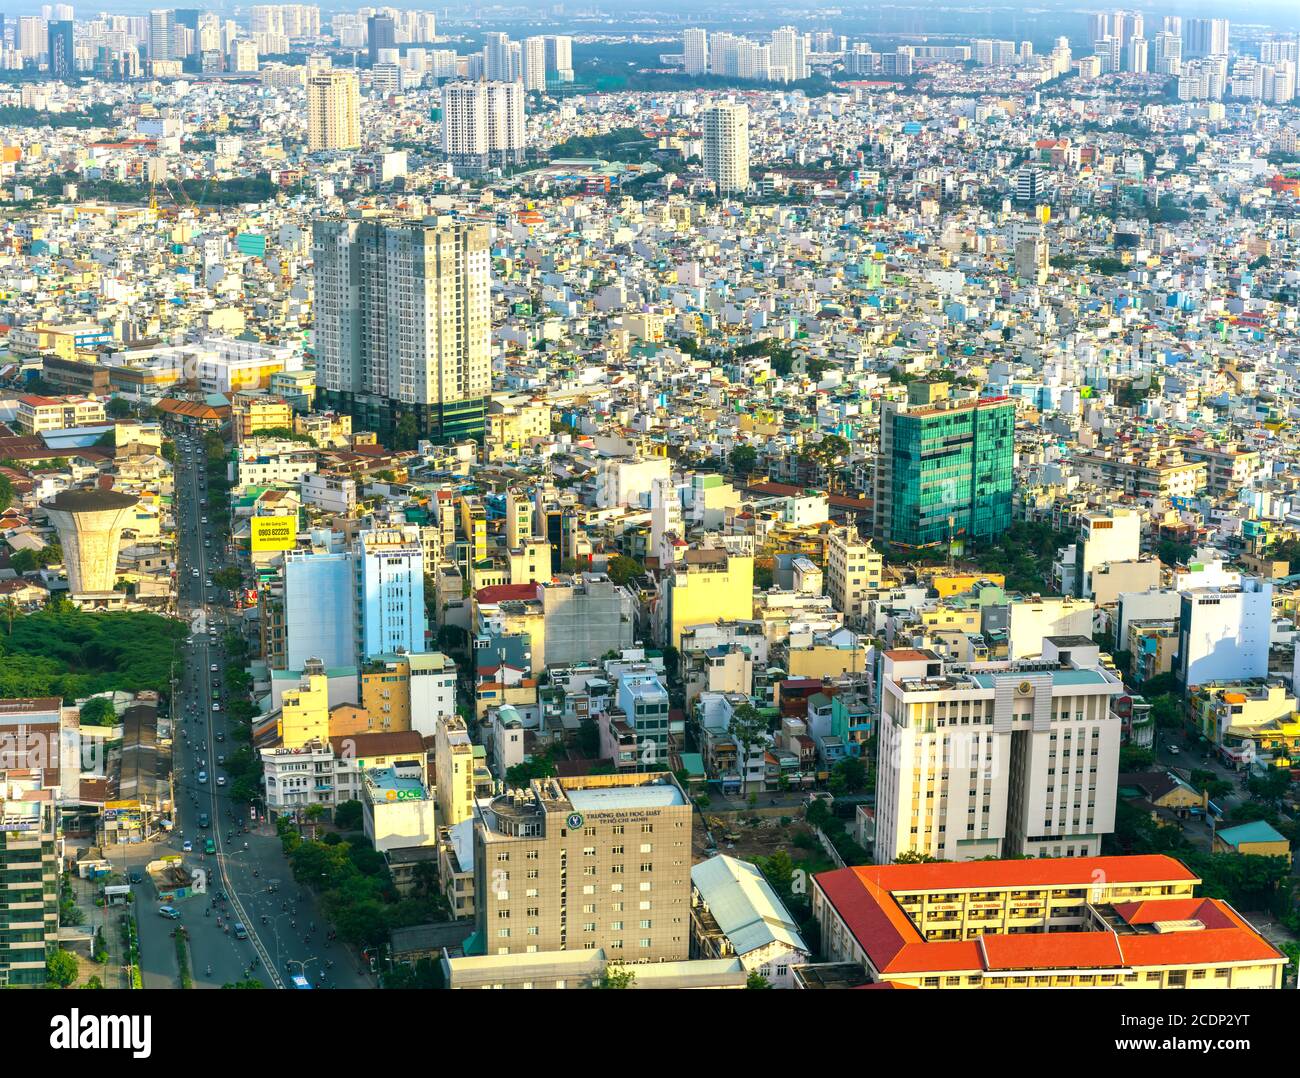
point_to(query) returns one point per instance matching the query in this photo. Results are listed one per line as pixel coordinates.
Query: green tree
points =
(407, 432)
(744, 459)
(853, 772)
(749, 728)
(6, 493)
(616, 977)
(1132, 758)
(757, 980)
(118, 408)
(98, 711)
(93, 981)
(229, 578)
(60, 969)
(347, 816)
(623, 570)
(911, 857)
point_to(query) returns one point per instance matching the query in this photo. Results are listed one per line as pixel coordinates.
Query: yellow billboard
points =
(274, 533)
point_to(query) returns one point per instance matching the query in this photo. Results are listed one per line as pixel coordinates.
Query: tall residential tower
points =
(403, 325)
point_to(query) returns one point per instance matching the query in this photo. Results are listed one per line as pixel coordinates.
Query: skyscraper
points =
(62, 56)
(726, 147)
(32, 37)
(534, 73)
(1137, 54)
(162, 22)
(1205, 37)
(333, 111)
(695, 48)
(403, 325)
(482, 124)
(945, 467)
(559, 56)
(497, 58)
(789, 54)
(381, 34)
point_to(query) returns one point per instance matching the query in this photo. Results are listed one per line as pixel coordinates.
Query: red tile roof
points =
(501, 593)
(1052, 950)
(864, 898)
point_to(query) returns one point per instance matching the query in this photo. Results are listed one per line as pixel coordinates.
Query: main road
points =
(247, 878)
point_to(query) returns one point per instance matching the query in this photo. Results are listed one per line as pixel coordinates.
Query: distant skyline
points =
(912, 17)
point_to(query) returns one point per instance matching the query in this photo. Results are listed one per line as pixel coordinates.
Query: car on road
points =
(297, 980)
(209, 846)
(221, 737)
(221, 780)
(203, 777)
(187, 846)
(205, 520)
(241, 933)
(1173, 750)
(213, 668)
(216, 707)
(170, 912)
(203, 820)
(220, 759)
(136, 877)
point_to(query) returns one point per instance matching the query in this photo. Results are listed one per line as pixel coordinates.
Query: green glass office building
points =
(945, 471)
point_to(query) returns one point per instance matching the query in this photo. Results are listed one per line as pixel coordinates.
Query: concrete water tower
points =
(90, 523)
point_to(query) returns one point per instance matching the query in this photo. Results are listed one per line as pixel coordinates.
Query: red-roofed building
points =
(1080, 922)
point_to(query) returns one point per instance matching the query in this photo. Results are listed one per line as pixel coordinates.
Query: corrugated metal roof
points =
(743, 903)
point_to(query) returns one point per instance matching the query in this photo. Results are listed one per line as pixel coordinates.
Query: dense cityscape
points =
(589, 498)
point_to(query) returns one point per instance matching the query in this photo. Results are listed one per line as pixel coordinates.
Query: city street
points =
(248, 878)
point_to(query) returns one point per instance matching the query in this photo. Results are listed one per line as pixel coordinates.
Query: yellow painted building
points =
(1075, 922)
(823, 661)
(305, 713)
(1255, 839)
(1218, 707)
(250, 413)
(453, 764)
(949, 584)
(386, 694)
(705, 587)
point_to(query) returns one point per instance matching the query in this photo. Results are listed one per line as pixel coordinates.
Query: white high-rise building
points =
(1205, 37)
(403, 322)
(483, 124)
(162, 22)
(1137, 54)
(390, 590)
(1223, 633)
(997, 759)
(789, 55)
(559, 56)
(723, 51)
(695, 49)
(534, 74)
(1168, 53)
(726, 147)
(333, 111)
(32, 37)
(243, 55)
(498, 58)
